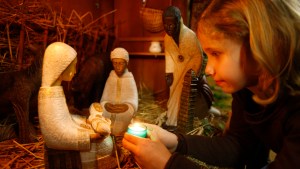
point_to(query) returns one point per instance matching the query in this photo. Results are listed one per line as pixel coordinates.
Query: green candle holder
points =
(137, 129)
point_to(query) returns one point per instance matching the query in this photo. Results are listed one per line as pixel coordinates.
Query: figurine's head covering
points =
(57, 57)
(172, 11)
(120, 53)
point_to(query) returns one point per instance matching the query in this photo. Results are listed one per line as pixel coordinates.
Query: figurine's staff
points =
(114, 140)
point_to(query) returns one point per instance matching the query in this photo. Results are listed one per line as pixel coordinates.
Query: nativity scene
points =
(172, 84)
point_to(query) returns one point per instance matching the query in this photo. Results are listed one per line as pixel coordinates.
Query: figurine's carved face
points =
(120, 66)
(70, 71)
(171, 26)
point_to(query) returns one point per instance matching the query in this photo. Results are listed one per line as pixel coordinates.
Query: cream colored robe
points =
(64, 131)
(59, 129)
(189, 48)
(120, 90)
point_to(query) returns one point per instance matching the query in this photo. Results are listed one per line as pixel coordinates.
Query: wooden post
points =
(21, 46)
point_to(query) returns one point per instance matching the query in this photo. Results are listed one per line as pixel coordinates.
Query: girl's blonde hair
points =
(270, 31)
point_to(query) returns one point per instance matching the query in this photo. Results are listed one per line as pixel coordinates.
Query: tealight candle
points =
(137, 129)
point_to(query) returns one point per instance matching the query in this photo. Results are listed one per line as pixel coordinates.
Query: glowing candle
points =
(137, 130)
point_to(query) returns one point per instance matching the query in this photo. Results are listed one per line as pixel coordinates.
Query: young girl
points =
(253, 49)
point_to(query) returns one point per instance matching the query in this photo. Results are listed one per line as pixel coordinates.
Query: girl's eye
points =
(215, 53)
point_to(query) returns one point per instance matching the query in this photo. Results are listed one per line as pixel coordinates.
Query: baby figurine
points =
(99, 123)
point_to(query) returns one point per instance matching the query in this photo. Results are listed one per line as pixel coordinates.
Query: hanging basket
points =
(152, 19)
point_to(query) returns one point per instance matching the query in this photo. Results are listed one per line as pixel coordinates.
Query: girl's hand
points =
(155, 132)
(149, 154)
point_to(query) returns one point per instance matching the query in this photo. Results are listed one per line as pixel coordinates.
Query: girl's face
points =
(69, 73)
(119, 65)
(224, 61)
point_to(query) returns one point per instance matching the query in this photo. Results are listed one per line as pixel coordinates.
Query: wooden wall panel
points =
(149, 73)
(147, 69)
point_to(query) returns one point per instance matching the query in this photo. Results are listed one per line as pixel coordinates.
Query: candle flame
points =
(137, 127)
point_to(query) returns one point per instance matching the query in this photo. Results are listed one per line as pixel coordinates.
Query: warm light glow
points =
(137, 129)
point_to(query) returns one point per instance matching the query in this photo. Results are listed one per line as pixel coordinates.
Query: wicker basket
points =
(152, 19)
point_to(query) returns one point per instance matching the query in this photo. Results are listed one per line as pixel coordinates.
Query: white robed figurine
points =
(60, 129)
(120, 96)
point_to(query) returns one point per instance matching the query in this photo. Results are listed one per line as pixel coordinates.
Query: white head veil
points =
(58, 56)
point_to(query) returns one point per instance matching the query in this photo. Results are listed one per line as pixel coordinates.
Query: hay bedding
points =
(15, 155)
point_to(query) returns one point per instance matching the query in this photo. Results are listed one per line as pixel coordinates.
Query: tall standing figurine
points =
(182, 53)
(60, 129)
(120, 96)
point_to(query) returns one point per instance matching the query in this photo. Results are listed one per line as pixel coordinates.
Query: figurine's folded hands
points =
(116, 108)
(149, 154)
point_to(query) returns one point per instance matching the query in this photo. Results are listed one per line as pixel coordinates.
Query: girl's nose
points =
(209, 69)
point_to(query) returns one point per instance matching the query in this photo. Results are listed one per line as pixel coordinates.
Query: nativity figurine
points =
(60, 129)
(120, 95)
(183, 53)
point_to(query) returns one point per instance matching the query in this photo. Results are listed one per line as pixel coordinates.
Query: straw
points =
(116, 151)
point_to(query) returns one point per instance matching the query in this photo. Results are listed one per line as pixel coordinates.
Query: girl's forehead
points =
(206, 26)
(212, 42)
(215, 34)
(209, 31)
